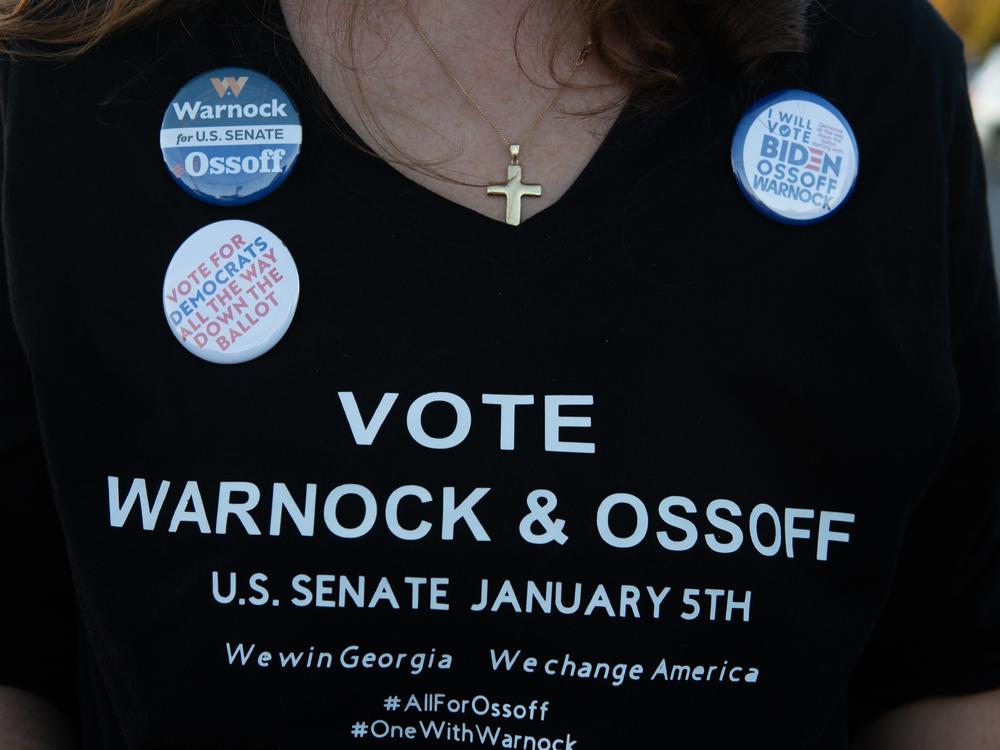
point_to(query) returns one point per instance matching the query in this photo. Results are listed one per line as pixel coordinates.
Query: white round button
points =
(230, 291)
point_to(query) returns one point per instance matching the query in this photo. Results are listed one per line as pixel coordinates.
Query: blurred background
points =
(978, 22)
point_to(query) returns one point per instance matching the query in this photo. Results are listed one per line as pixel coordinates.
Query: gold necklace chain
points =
(581, 58)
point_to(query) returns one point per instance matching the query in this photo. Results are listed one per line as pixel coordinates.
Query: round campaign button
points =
(230, 291)
(230, 136)
(795, 157)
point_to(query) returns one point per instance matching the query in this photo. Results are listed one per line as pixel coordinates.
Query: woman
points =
(695, 448)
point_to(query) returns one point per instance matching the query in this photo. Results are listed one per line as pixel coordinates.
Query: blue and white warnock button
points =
(795, 157)
(230, 136)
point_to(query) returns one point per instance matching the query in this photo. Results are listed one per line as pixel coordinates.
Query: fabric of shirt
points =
(649, 470)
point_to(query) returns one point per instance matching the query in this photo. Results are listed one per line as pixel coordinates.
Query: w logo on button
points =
(229, 83)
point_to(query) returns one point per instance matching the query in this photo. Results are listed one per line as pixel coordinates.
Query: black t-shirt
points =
(773, 449)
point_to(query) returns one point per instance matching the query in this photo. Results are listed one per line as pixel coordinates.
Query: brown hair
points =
(658, 35)
(659, 45)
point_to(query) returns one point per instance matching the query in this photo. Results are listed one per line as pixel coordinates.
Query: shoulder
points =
(74, 131)
(893, 66)
(91, 120)
(883, 27)
(885, 47)
(133, 65)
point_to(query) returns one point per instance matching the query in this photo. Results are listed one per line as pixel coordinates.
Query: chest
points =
(730, 418)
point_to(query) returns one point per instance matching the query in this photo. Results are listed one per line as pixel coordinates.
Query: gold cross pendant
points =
(514, 190)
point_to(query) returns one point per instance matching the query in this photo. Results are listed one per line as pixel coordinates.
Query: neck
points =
(384, 80)
(476, 36)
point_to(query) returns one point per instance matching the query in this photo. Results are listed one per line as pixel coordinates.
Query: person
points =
(323, 428)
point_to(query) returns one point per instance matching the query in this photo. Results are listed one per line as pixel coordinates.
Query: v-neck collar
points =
(410, 194)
